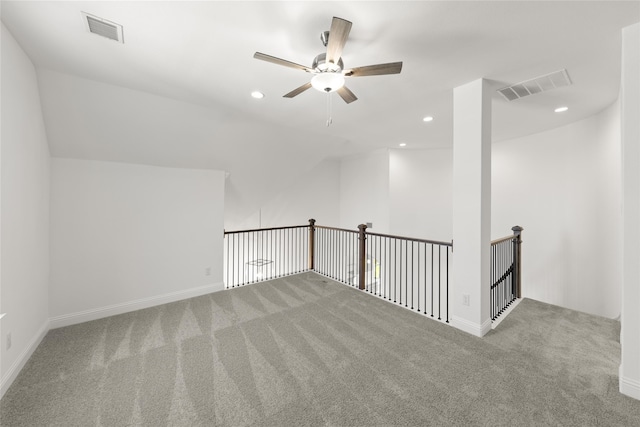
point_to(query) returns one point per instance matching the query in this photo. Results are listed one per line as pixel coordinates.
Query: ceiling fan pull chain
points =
(329, 118)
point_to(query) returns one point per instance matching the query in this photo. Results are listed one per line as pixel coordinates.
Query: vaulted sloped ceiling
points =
(94, 120)
(176, 93)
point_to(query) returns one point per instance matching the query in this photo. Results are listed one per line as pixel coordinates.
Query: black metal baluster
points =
(369, 258)
(236, 261)
(447, 285)
(341, 243)
(294, 250)
(432, 280)
(504, 282)
(332, 240)
(280, 252)
(387, 254)
(245, 256)
(493, 279)
(395, 268)
(425, 278)
(406, 271)
(498, 272)
(330, 249)
(413, 283)
(439, 281)
(500, 269)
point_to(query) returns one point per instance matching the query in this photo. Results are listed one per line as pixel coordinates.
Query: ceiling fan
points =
(328, 69)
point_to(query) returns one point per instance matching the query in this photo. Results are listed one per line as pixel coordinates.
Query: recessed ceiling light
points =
(403, 144)
(427, 119)
(257, 95)
(561, 109)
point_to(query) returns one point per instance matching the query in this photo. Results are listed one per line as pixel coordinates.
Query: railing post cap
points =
(517, 229)
(312, 221)
(362, 227)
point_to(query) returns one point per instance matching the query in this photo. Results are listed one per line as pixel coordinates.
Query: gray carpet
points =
(305, 350)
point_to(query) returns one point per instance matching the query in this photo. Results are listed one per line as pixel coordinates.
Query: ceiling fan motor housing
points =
(321, 65)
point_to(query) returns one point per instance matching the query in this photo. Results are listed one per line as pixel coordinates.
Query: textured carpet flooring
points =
(304, 350)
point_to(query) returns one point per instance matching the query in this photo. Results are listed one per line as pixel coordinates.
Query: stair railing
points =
(506, 272)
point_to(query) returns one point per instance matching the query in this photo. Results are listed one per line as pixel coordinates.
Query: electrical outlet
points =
(8, 340)
(369, 225)
(465, 299)
(207, 271)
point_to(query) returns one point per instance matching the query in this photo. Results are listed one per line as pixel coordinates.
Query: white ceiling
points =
(176, 93)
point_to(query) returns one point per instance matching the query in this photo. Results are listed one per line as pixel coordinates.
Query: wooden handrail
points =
(411, 239)
(323, 227)
(336, 229)
(266, 229)
(502, 239)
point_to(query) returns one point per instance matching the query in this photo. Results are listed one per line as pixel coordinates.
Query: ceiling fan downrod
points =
(324, 37)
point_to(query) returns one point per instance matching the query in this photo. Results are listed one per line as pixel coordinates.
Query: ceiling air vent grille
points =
(539, 84)
(103, 28)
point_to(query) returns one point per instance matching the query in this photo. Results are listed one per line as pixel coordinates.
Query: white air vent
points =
(103, 28)
(537, 85)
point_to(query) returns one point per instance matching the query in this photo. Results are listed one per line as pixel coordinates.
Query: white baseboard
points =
(22, 359)
(629, 386)
(125, 307)
(475, 329)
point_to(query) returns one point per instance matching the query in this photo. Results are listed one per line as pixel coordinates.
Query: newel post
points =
(312, 244)
(517, 233)
(362, 256)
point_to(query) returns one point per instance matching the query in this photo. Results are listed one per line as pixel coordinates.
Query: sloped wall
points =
(24, 220)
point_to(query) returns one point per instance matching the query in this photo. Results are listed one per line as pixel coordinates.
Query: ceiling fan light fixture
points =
(327, 81)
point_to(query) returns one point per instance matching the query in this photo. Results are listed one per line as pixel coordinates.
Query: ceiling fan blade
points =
(338, 35)
(346, 95)
(375, 70)
(298, 90)
(278, 61)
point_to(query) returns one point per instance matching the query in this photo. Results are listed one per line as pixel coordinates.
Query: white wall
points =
(420, 192)
(563, 187)
(630, 244)
(125, 236)
(364, 191)
(24, 212)
(314, 194)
